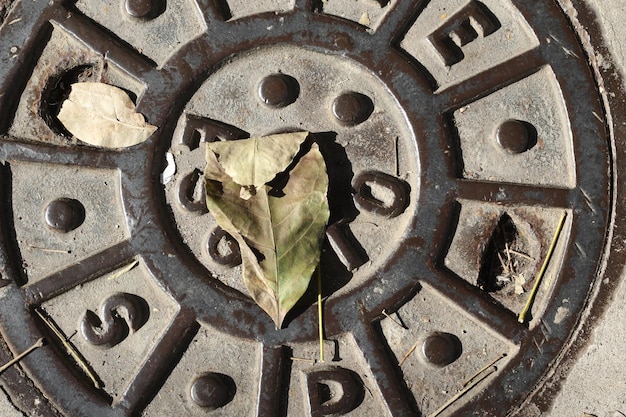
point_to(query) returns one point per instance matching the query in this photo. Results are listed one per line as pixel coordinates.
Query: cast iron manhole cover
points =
(458, 135)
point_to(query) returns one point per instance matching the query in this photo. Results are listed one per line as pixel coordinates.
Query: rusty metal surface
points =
(456, 136)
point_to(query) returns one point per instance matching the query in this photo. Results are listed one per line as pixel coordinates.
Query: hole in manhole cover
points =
(469, 194)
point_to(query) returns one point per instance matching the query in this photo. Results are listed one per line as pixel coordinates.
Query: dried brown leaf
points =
(256, 161)
(103, 115)
(279, 237)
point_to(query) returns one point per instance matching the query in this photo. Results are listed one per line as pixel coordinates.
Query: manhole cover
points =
(469, 165)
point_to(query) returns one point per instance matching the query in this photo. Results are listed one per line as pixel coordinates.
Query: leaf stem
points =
(531, 298)
(319, 312)
(124, 270)
(311, 361)
(50, 250)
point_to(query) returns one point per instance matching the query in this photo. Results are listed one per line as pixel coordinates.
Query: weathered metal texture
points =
(456, 135)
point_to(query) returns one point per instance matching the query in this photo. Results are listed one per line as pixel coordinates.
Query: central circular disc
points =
(367, 143)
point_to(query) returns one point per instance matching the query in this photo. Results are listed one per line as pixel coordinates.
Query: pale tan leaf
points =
(256, 161)
(103, 115)
(280, 237)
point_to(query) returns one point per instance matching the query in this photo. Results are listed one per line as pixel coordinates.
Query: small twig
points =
(392, 319)
(523, 255)
(508, 258)
(593, 112)
(483, 369)
(504, 266)
(320, 312)
(462, 392)
(39, 343)
(542, 271)
(123, 270)
(406, 356)
(50, 250)
(71, 350)
(311, 361)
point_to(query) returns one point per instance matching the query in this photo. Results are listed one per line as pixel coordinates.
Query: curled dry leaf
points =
(252, 163)
(279, 234)
(103, 115)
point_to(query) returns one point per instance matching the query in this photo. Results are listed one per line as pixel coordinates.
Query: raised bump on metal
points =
(64, 214)
(387, 206)
(516, 136)
(334, 391)
(191, 194)
(345, 245)
(145, 9)
(212, 390)
(278, 90)
(120, 315)
(441, 349)
(223, 248)
(352, 108)
(552, 164)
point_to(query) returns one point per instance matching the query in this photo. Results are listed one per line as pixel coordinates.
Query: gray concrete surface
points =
(596, 384)
(6, 409)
